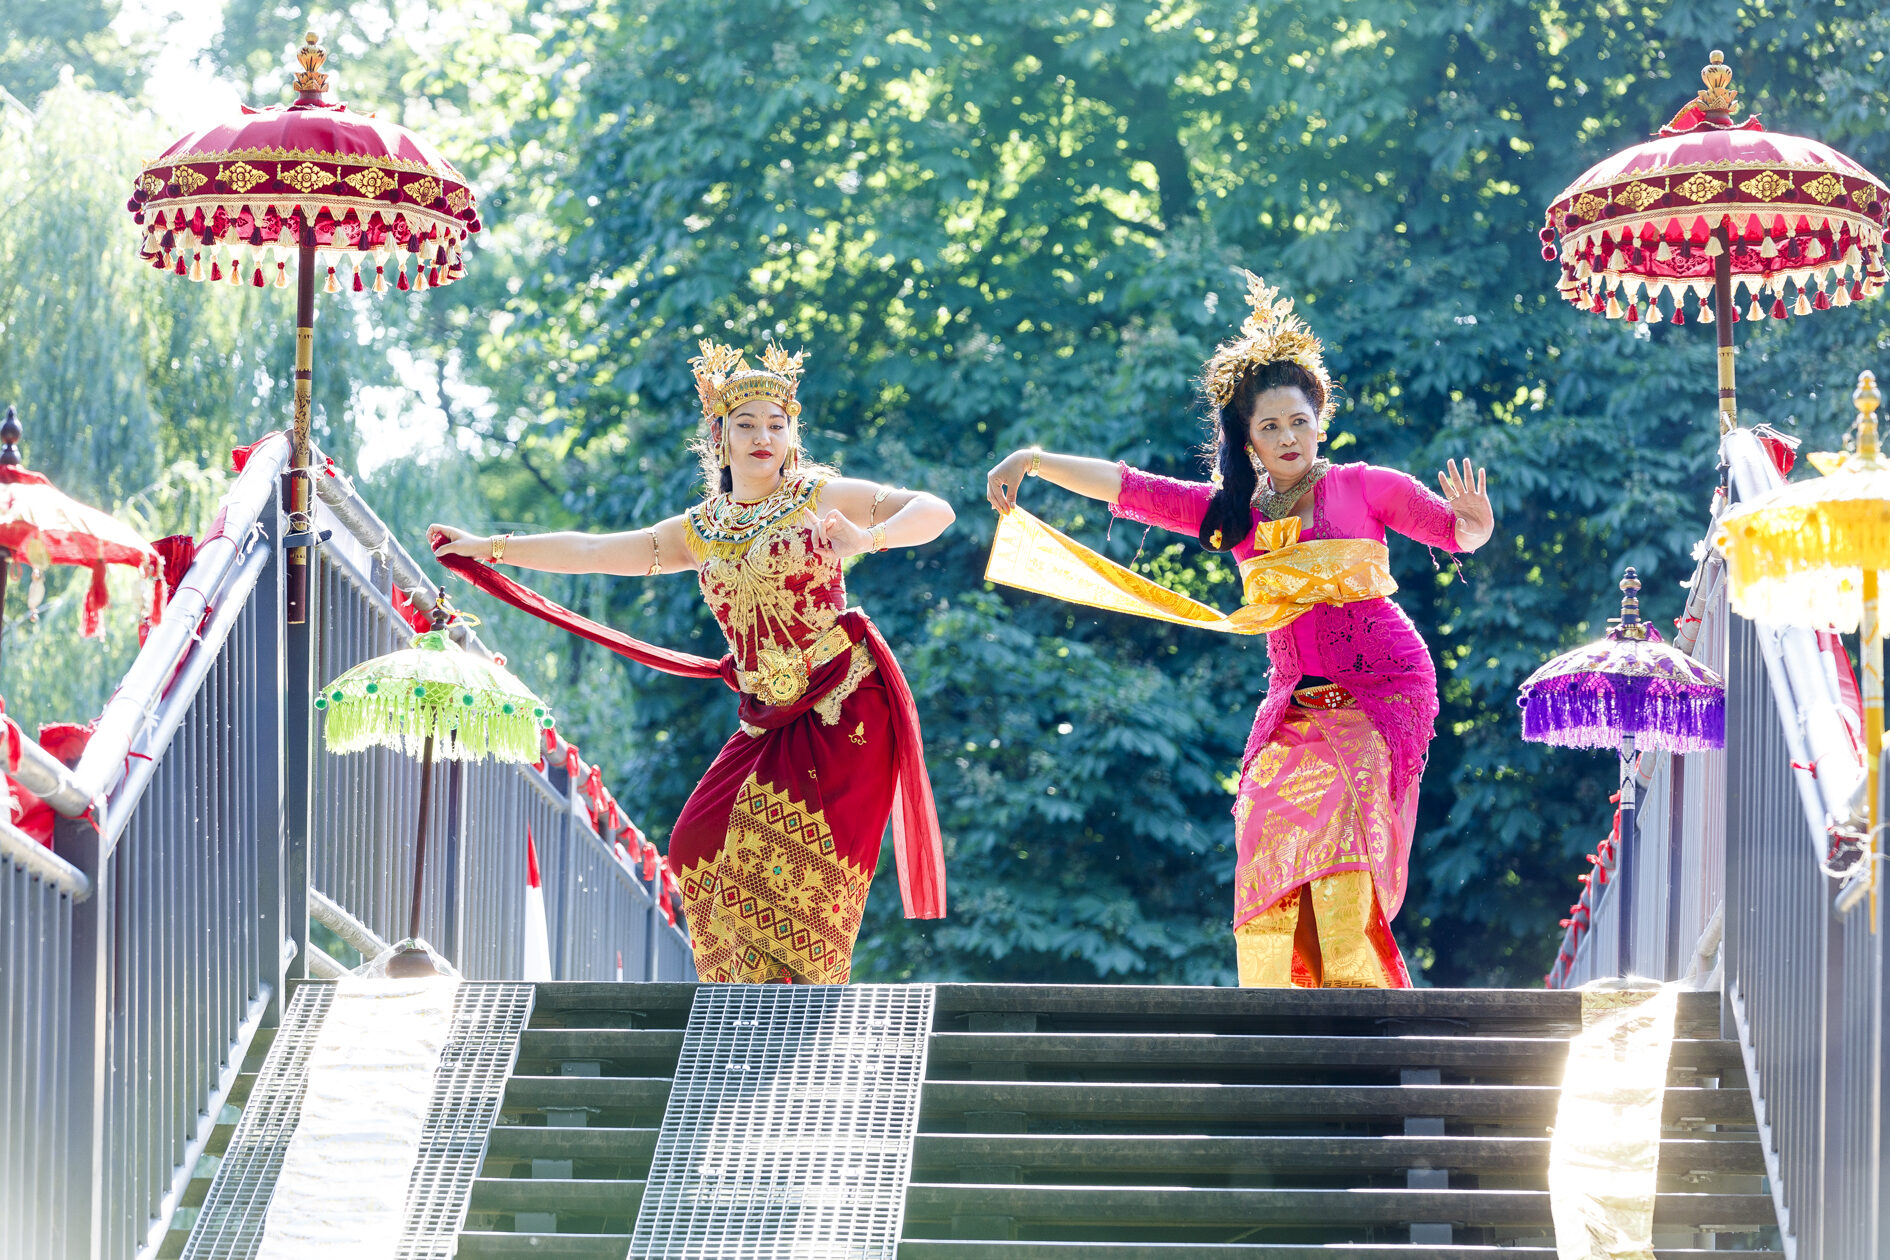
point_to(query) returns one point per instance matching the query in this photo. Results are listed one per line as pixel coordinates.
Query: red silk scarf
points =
(917, 845)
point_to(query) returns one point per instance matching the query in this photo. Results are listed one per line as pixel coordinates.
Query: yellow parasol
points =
(1812, 554)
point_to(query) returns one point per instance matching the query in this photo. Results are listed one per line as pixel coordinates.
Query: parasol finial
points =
(1718, 100)
(310, 82)
(10, 434)
(1630, 626)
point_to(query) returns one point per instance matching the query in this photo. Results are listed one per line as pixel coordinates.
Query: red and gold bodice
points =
(774, 593)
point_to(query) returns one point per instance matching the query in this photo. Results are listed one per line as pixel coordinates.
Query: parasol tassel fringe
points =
(1773, 563)
(1713, 248)
(1706, 313)
(333, 285)
(282, 274)
(379, 721)
(1602, 712)
(196, 266)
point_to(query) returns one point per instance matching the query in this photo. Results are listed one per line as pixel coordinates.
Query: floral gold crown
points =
(724, 381)
(1271, 333)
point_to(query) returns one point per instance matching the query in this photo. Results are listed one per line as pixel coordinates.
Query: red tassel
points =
(181, 269)
(401, 283)
(1778, 309)
(257, 279)
(96, 597)
(358, 286)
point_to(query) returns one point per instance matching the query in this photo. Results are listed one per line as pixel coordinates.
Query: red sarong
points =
(794, 737)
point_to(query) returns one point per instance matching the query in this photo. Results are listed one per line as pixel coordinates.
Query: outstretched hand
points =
(450, 540)
(1464, 491)
(1004, 481)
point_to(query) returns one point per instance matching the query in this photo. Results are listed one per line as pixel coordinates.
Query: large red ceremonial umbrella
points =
(43, 527)
(1713, 206)
(313, 183)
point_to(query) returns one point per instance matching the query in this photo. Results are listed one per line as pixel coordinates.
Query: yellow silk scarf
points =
(1278, 586)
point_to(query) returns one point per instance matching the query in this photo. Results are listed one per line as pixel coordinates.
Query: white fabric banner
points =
(1604, 1157)
(370, 1077)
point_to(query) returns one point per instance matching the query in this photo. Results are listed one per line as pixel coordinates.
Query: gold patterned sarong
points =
(1278, 586)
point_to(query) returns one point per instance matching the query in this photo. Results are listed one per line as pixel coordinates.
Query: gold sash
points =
(1278, 586)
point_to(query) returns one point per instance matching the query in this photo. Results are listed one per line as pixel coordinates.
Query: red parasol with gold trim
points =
(41, 526)
(1714, 208)
(337, 193)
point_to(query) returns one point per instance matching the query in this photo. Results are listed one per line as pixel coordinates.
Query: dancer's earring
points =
(1253, 457)
(721, 444)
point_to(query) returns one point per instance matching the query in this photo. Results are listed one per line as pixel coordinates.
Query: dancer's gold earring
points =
(1253, 457)
(721, 443)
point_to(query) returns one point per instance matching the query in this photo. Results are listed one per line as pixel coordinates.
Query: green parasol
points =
(431, 698)
(437, 692)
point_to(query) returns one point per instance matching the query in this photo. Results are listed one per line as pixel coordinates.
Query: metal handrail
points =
(43, 863)
(130, 716)
(46, 777)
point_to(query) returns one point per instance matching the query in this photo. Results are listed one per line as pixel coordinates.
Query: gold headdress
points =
(1271, 333)
(724, 381)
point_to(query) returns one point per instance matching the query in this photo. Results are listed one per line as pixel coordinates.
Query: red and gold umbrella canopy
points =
(229, 201)
(1725, 212)
(319, 185)
(43, 527)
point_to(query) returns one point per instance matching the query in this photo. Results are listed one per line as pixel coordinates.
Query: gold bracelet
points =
(1036, 462)
(878, 535)
(656, 557)
(498, 547)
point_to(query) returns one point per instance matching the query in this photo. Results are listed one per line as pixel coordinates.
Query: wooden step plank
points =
(665, 1003)
(663, 1044)
(1113, 1206)
(1232, 1050)
(1085, 1153)
(498, 1245)
(945, 1249)
(1275, 1103)
(1171, 1007)
(538, 1141)
(635, 1093)
(556, 1194)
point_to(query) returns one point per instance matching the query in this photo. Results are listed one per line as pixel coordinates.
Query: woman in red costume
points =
(776, 847)
(1327, 793)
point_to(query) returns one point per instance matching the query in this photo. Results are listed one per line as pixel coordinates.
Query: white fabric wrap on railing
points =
(342, 1190)
(1604, 1156)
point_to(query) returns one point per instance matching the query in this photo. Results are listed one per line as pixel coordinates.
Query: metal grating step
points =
(467, 1089)
(230, 1225)
(789, 1128)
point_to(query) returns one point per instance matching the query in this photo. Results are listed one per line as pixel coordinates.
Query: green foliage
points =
(993, 224)
(1000, 223)
(42, 39)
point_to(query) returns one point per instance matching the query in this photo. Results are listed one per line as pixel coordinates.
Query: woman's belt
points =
(783, 673)
(1278, 587)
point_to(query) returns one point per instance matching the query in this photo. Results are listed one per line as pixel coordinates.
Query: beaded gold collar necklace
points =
(722, 518)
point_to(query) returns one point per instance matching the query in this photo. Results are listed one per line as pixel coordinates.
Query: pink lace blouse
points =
(1370, 647)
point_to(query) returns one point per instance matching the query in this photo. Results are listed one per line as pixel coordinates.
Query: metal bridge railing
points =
(1731, 865)
(140, 956)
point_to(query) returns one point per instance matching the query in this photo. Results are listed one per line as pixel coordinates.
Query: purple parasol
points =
(1627, 686)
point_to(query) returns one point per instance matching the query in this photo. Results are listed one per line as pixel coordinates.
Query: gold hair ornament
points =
(1271, 333)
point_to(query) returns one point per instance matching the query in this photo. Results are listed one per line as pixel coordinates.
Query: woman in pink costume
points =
(1328, 787)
